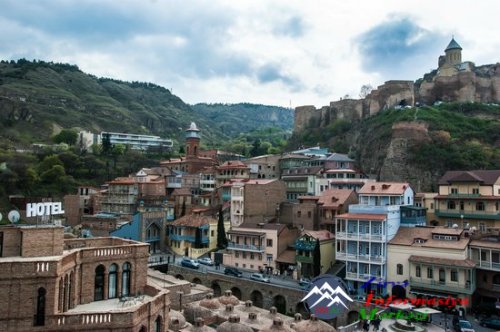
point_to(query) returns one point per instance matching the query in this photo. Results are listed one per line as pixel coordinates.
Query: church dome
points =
(453, 45)
(199, 326)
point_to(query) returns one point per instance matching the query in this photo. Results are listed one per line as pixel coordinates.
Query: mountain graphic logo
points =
(327, 297)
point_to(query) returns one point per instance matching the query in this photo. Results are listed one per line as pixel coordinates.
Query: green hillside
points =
(37, 99)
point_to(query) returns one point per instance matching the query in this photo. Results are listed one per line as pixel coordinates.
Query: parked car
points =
(464, 326)
(259, 277)
(491, 323)
(191, 263)
(233, 271)
(304, 283)
(205, 261)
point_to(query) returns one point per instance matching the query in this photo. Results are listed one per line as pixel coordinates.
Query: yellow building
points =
(193, 235)
(469, 198)
(304, 247)
(433, 261)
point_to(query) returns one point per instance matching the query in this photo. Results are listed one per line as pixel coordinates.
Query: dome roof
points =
(233, 325)
(313, 325)
(277, 326)
(192, 311)
(453, 45)
(229, 298)
(176, 321)
(199, 326)
(210, 302)
(247, 307)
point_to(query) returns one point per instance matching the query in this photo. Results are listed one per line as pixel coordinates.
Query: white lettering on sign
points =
(43, 209)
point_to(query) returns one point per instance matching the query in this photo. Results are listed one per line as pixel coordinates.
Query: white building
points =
(363, 233)
(138, 142)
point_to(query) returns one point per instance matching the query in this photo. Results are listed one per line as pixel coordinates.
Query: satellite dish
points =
(455, 226)
(14, 216)
(473, 228)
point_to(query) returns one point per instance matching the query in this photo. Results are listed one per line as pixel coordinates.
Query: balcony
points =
(442, 286)
(361, 236)
(304, 259)
(493, 215)
(377, 259)
(245, 247)
(188, 238)
(358, 276)
(487, 265)
(372, 209)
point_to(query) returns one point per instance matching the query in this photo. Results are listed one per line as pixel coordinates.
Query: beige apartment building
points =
(433, 260)
(257, 247)
(469, 199)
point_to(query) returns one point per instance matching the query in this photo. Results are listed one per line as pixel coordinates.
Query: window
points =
(126, 279)
(496, 279)
(157, 326)
(442, 276)
(480, 206)
(454, 275)
(482, 227)
(451, 205)
(400, 269)
(237, 254)
(418, 273)
(454, 191)
(475, 191)
(299, 213)
(309, 214)
(40, 307)
(429, 273)
(252, 256)
(212, 233)
(1, 244)
(112, 282)
(99, 283)
(269, 242)
(432, 206)
(244, 254)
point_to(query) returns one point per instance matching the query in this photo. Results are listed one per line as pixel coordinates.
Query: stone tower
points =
(192, 141)
(453, 53)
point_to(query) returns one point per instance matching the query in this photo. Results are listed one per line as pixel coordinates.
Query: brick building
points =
(99, 284)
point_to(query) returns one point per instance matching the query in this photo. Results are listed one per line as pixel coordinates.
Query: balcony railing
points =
(495, 215)
(361, 258)
(245, 247)
(304, 259)
(358, 276)
(466, 288)
(189, 238)
(487, 265)
(361, 236)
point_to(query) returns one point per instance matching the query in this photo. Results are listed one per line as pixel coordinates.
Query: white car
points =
(259, 277)
(205, 261)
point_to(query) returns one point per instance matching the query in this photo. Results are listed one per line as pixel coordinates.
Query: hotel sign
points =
(43, 209)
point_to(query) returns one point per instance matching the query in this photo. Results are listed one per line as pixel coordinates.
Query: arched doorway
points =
(197, 281)
(99, 283)
(257, 299)
(352, 316)
(236, 292)
(280, 303)
(216, 288)
(157, 326)
(398, 292)
(179, 276)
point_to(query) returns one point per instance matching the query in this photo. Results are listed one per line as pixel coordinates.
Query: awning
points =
(287, 256)
(428, 311)
(401, 306)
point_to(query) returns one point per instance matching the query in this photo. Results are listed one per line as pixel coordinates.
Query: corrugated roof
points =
(487, 177)
(321, 235)
(442, 261)
(339, 157)
(384, 188)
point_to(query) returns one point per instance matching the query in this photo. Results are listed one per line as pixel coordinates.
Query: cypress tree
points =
(221, 232)
(317, 259)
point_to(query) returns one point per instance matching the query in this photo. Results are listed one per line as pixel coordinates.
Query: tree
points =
(106, 144)
(67, 136)
(317, 259)
(365, 90)
(221, 232)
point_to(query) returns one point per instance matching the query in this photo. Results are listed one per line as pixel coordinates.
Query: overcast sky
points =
(273, 52)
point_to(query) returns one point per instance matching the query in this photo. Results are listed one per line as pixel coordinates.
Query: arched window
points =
(40, 307)
(157, 327)
(99, 283)
(400, 269)
(112, 282)
(126, 279)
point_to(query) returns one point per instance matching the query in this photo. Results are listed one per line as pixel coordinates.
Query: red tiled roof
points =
(384, 188)
(232, 164)
(362, 216)
(122, 181)
(320, 235)
(334, 198)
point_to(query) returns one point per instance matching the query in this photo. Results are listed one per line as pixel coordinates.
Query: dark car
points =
(464, 326)
(491, 323)
(191, 263)
(233, 271)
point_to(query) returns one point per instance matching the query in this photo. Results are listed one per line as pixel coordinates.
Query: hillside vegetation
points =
(37, 99)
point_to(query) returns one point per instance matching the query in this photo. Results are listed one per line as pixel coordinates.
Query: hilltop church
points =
(451, 63)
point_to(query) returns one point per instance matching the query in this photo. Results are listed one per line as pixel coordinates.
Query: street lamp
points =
(462, 218)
